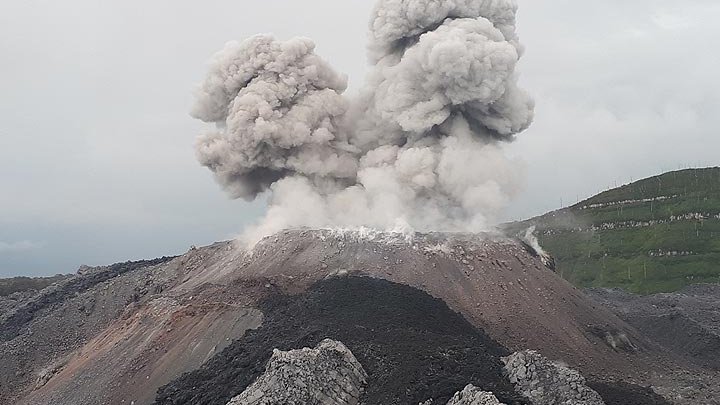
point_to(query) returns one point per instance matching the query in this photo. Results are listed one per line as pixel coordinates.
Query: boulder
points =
(545, 382)
(329, 374)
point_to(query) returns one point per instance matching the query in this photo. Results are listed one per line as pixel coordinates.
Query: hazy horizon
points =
(96, 144)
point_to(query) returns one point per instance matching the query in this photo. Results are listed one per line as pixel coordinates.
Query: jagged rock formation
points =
(473, 396)
(12, 321)
(326, 375)
(548, 383)
(10, 302)
(470, 395)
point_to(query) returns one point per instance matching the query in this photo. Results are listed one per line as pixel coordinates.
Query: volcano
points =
(424, 314)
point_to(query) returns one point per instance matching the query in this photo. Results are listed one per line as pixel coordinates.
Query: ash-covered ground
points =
(686, 322)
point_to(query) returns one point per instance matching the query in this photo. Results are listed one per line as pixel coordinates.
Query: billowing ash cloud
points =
(418, 148)
(397, 24)
(277, 106)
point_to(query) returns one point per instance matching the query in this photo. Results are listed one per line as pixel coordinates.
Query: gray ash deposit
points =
(686, 322)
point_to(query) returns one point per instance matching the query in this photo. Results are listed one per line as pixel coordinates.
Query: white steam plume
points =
(419, 148)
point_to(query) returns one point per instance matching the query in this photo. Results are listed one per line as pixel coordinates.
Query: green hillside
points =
(654, 235)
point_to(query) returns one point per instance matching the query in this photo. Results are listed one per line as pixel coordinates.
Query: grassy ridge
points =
(654, 235)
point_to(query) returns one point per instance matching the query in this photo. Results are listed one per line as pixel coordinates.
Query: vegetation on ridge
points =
(654, 235)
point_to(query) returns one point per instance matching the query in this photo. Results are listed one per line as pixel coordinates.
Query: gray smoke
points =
(418, 149)
(276, 106)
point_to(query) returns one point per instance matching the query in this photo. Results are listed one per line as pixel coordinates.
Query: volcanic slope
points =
(686, 322)
(38, 329)
(412, 346)
(109, 331)
(154, 321)
(494, 282)
(654, 235)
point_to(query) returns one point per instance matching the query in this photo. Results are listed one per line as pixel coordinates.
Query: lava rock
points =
(472, 395)
(412, 346)
(326, 375)
(548, 383)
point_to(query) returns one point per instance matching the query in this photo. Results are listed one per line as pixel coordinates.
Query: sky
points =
(96, 144)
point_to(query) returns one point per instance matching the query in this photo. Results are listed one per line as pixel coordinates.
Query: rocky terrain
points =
(330, 374)
(686, 323)
(412, 346)
(39, 329)
(424, 315)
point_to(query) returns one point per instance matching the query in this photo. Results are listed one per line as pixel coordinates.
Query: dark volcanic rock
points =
(9, 286)
(686, 322)
(412, 346)
(626, 394)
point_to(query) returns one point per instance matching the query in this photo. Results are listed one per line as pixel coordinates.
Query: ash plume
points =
(419, 148)
(276, 106)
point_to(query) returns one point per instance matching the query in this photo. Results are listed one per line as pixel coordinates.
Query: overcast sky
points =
(96, 144)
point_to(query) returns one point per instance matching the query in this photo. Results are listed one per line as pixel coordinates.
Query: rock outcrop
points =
(326, 375)
(548, 383)
(472, 395)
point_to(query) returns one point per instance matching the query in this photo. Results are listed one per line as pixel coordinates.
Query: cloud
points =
(620, 97)
(21, 246)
